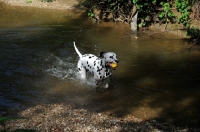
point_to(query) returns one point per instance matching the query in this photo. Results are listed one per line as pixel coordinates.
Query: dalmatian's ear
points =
(102, 53)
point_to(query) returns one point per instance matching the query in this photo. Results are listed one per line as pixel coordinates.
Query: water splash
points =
(62, 69)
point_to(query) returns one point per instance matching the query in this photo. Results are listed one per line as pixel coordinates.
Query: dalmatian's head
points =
(110, 59)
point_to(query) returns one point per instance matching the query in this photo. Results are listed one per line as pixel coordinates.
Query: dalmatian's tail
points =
(77, 51)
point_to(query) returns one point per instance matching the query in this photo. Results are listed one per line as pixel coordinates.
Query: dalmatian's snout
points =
(116, 61)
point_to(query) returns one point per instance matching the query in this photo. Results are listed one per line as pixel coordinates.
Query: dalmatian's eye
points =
(111, 57)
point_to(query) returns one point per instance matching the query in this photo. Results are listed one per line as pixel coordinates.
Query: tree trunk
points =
(134, 23)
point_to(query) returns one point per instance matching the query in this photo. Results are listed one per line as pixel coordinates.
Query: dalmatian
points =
(100, 67)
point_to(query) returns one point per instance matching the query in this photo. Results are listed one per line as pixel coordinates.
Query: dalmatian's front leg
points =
(96, 83)
(106, 85)
(106, 82)
(106, 77)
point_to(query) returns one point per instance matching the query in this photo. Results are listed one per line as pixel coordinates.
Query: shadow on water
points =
(166, 92)
(157, 77)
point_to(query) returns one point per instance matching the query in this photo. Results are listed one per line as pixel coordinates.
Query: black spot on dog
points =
(101, 63)
(107, 74)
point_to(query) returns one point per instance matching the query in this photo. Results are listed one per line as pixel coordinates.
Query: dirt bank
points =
(65, 118)
(58, 4)
(176, 29)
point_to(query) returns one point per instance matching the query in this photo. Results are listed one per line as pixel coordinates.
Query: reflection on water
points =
(157, 78)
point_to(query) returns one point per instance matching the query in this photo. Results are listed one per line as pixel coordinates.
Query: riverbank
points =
(58, 4)
(65, 118)
(176, 29)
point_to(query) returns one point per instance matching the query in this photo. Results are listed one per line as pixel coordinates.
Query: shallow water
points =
(157, 78)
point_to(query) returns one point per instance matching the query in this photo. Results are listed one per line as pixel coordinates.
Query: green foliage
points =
(5, 118)
(194, 32)
(183, 6)
(146, 10)
(91, 13)
(149, 11)
(166, 14)
(28, 1)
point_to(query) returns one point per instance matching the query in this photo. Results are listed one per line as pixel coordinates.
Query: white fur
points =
(99, 67)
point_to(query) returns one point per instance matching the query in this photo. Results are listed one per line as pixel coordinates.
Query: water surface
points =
(157, 78)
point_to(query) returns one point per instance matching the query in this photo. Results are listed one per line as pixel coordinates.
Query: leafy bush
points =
(149, 11)
(146, 10)
(193, 32)
(183, 6)
(166, 15)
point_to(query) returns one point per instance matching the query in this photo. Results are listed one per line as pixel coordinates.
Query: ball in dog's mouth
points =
(113, 65)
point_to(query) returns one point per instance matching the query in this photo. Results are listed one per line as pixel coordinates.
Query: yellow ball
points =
(113, 65)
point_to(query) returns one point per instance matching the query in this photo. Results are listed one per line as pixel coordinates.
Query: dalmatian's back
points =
(94, 65)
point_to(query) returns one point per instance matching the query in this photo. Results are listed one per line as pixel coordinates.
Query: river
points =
(158, 77)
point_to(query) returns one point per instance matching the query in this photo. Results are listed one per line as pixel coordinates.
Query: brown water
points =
(157, 78)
